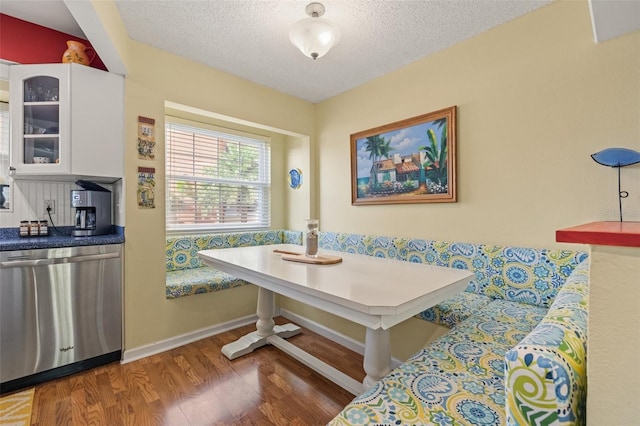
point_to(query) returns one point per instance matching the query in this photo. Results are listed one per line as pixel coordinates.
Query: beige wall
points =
(535, 98)
(154, 77)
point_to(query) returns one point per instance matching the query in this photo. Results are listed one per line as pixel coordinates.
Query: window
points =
(216, 179)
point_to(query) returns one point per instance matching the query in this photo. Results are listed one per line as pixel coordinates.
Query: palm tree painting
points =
(435, 165)
(410, 161)
(377, 147)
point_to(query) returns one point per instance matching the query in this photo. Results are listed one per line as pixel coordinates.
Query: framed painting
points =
(409, 161)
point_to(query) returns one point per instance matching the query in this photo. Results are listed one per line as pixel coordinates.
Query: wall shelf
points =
(625, 234)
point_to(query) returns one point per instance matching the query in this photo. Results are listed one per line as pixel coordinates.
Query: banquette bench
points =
(516, 350)
(186, 274)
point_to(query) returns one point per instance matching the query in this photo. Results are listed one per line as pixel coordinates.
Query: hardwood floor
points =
(196, 385)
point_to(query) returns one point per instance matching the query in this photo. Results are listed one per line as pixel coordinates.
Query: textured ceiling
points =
(249, 38)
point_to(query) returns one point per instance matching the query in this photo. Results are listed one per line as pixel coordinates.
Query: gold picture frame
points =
(409, 161)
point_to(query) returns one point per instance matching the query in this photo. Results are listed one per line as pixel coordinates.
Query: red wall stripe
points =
(28, 43)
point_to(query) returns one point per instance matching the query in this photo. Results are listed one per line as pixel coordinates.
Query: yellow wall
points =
(154, 77)
(299, 204)
(535, 98)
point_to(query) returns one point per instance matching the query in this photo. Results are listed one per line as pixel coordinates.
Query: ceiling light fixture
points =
(314, 36)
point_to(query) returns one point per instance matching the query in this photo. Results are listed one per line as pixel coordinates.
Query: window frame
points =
(265, 183)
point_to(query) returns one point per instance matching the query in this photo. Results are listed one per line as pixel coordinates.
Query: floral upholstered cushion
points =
(546, 372)
(186, 274)
(456, 380)
(435, 389)
(205, 279)
(182, 251)
(455, 309)
(518, 274)
(291, 237)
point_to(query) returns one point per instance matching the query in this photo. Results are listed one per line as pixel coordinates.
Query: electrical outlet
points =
(49, 204)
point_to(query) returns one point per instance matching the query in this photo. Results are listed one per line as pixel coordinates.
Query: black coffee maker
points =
(93, 210)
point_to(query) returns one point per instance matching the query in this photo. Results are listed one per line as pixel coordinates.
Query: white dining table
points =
(375, 292)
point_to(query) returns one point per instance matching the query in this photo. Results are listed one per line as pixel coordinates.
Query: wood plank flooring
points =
(195, 385)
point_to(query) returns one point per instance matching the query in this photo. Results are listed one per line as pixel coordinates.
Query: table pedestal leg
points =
(377, 356)
(265, 311)
(265, 327)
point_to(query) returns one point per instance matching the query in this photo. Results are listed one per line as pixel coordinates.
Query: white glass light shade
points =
(314, 36)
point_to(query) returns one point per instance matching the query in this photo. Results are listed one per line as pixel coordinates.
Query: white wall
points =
(28, 197)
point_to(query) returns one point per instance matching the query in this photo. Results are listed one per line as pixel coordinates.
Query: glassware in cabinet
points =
(39, 101)
(41, 119)
(41, 138)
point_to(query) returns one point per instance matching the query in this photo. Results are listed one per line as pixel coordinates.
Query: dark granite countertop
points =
(10, 239)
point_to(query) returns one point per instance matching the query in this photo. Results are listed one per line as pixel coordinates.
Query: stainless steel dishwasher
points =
(60, 312)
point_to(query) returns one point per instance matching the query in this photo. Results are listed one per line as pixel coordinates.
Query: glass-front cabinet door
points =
(41, 109)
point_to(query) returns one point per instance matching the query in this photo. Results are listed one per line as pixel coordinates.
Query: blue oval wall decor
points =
(295, 178)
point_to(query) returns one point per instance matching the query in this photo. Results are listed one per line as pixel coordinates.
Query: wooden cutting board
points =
(320, 260)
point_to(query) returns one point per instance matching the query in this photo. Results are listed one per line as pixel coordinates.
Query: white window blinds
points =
(215, 180)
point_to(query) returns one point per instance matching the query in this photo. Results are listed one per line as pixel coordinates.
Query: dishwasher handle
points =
(57, 260)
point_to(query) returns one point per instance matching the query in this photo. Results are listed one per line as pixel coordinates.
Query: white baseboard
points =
(177, 341)
(135, 354)
(330, 334)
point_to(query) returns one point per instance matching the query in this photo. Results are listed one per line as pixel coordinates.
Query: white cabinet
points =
(67, 122)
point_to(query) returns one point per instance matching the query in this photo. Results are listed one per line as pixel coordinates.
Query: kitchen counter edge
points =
(10, 242)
